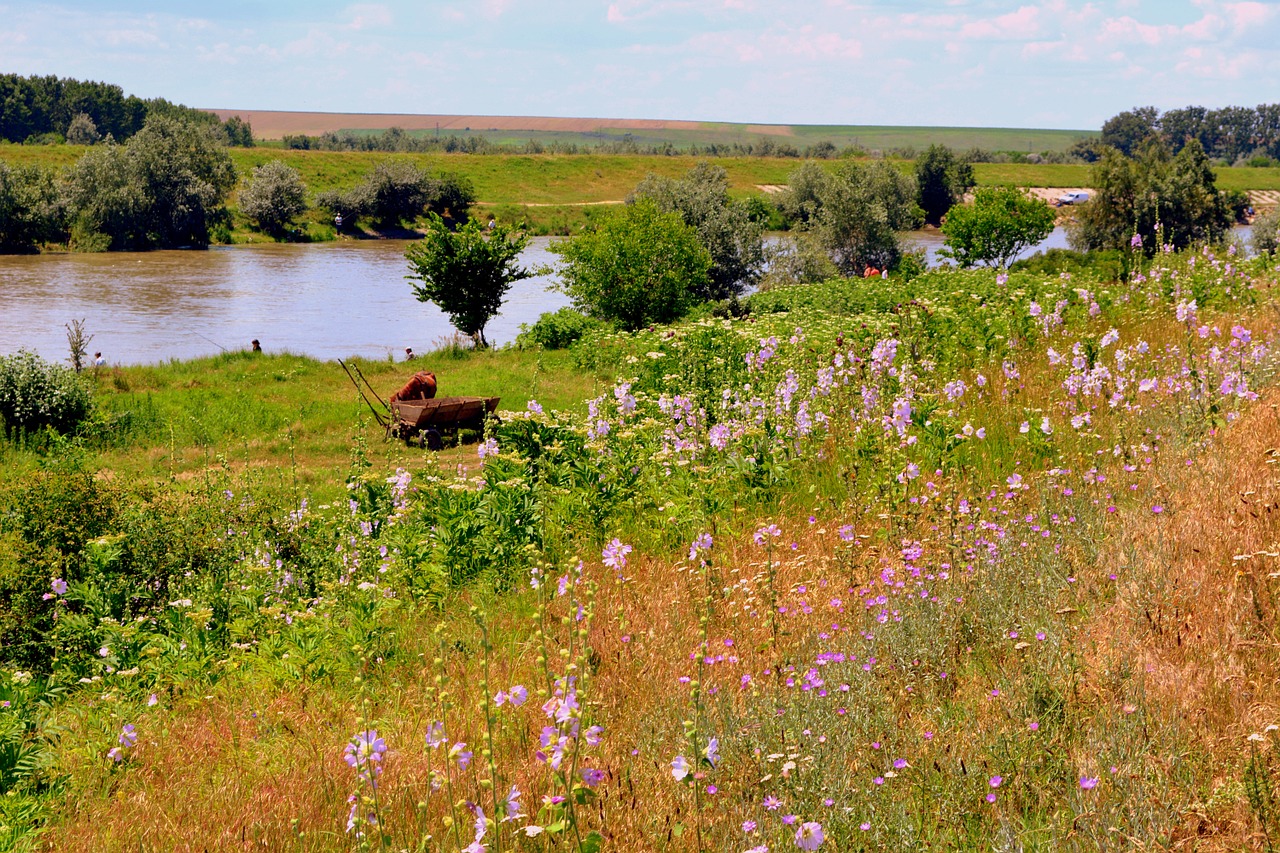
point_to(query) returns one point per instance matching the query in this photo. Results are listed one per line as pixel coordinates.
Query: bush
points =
(273, 197)
(35, 394)
(1001, 222)
(555, 330)
(1266, 231)
(639, 266)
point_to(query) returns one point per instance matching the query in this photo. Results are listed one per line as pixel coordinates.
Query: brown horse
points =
(421, 387)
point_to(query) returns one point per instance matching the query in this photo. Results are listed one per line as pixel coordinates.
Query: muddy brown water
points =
(327, 300)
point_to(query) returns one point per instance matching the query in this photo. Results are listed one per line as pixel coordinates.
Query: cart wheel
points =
(432, 440)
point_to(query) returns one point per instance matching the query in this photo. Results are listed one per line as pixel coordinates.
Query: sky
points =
(968, 63)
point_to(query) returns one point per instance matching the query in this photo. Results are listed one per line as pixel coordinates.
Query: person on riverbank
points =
(408, 354)
(98, 360)
(257, 347)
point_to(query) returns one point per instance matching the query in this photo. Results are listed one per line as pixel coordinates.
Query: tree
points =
(733, 239)
(398, 190)
(1001, 222)
(1127, 131)
(466, 273)
(82, 130)
(273, 197)
(1266, 231)
(942, 179)
(1163, 198)
(859, 213)
(30, 209)
(638, 266)
(164, 188)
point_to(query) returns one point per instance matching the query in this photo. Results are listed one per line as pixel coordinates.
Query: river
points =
(327, 300)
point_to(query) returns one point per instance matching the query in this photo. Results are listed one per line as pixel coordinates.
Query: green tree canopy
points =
(1001, 222)
(638, 266)
(397, 191)
(942, 179)
(1163, 198)
(164, 188)
(30, 209)
(726, 228)
(273, 196)
(466, 273)
(856, 214)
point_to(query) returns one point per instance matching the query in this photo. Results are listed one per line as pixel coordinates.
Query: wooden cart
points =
(428, 421)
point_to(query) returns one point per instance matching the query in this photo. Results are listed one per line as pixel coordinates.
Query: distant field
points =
(512, 130)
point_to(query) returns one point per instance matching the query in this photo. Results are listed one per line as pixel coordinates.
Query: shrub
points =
(639, 266)
(273, 197)
(555, 330)
(1001, 222)
(35, 394)
(1266, 231)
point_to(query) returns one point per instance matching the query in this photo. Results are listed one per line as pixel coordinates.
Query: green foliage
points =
(1129, 130)
(1001, 222)
(396, 191)
(1165, 199)
(942, 179)
(555, 330)
(639, 266)
(1266, 231)
(165, 188)
(273, 197)
(857, 212)
(82, 131)
(30, 209)
(35, 394)
(727, 229)
(467, 272)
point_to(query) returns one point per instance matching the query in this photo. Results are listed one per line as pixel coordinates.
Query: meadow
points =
(969, 561)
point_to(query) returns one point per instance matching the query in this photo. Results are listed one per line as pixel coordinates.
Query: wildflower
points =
(680, 768)
(364, 753)
(846, 532)
(511, 806)
(534, 407)
(1135, 242)
(59, 586)
(435, 734)
(517, 695)
(461, 753)
(128, 736)
(592, 735)
(772, 803)
(615, 554)
(712, 752)
(748, 826)
(592, 776)
(759, 536)
(1088, 782)
(789, 819)
(809, 835)
(701, 542)
(995, 781)
(488, 448)
(1002, 279)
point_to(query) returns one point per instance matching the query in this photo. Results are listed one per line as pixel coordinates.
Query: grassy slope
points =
(299, 416)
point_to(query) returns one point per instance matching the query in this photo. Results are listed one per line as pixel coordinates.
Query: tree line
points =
(168, 185)
(53, 109)
(1230, 134)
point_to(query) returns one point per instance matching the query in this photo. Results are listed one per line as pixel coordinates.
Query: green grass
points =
(282, 411)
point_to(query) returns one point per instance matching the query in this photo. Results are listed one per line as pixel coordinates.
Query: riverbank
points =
(560, 193)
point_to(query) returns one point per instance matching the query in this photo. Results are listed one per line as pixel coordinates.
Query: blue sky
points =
(1042, 63)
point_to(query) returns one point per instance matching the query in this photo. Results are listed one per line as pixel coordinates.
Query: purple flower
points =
(809, 835)
(615, 554)
(461, 753)
(789, 819)
(702, 542)
(712, 752)
(995, 781)
(534, 407)
(592, 776)
(761, 535)
(435, 734)
(128, 737)
(680, 768)
(772, 803)
(517, 695)
(592, 735)
(748, 826)
(1088, 782)
(59, 586)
